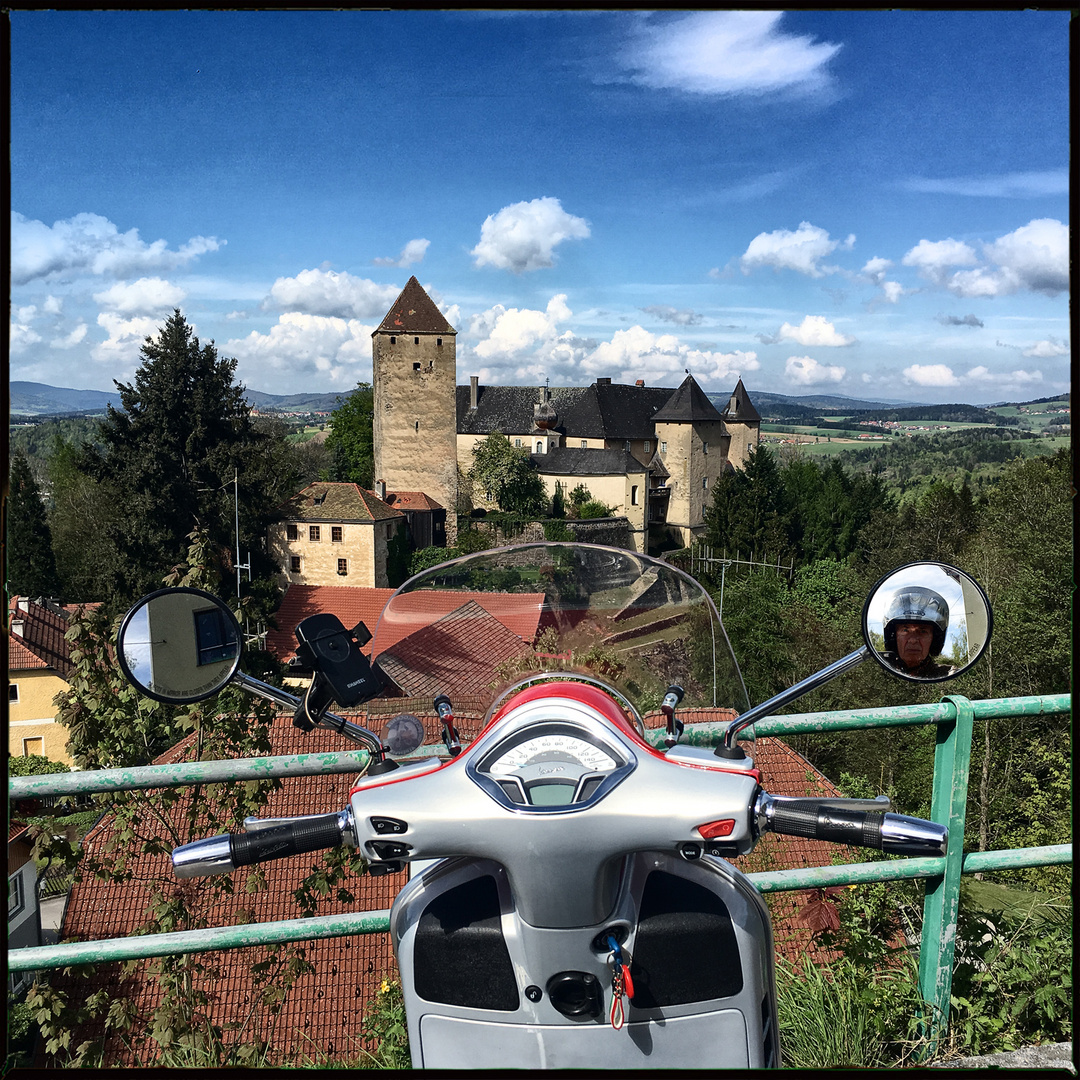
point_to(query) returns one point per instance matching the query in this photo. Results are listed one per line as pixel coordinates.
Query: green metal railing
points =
(954, 717)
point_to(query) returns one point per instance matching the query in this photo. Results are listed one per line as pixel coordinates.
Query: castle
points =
(651, 453)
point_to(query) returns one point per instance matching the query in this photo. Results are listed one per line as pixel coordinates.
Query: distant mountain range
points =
(38, 399)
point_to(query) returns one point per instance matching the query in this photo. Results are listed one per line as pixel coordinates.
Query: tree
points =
(507, 477)
(31, 565)
(169, 459)
(351, 441)
(748, 508)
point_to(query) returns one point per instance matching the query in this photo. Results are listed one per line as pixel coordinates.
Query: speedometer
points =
(553, 747)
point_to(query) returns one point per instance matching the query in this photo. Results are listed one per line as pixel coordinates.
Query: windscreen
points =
(473, 627)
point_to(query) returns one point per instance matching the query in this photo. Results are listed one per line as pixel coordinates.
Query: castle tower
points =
(414, 378)
(743, 422)
(693, 444)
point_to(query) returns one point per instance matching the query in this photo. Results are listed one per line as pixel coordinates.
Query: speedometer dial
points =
(553, 747)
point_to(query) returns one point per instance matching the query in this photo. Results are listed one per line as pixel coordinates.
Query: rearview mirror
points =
(927, 622)
(179, 645)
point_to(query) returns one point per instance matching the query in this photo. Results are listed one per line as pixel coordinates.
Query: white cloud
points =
(413, 252)
(636, 353)
(508, 332)
(726, 53)
(931, 375)
(325, 292)
(21, 335)
(69, 341)
(814, 330)
(1034, 257)
(806, 371)
(667, 313)
(125, 337)
(53, 305)
(875, 269)
(801, 250)
(89, 244)
(1006, 380)
(143, 297)
(524, 235)
(891, 291)
(1046, 349)
(1017, 185)
(337, 350)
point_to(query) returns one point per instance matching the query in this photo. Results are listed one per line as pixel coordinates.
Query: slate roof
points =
(740, 407)
(688, 405)
(324, 1008)
(414, 312)
(348, 503)
(600, 411)
(574, 461)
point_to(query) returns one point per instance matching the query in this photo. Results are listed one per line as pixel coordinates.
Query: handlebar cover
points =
(893, 833)
(280, 841)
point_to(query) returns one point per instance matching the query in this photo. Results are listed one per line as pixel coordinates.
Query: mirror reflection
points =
(179, 645)
(927, 621)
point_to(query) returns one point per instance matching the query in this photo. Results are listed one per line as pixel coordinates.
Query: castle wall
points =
(362, 545)
(743, 437)
(694, 455)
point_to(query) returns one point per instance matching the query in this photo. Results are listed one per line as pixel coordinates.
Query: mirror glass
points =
(179, 645)
(927, 621)
(403, 733)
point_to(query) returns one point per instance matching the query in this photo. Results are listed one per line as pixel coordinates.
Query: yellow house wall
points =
(33, 715)
(613, 491)
(362, 544)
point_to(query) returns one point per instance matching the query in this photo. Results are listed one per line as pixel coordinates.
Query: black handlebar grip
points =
(280, 841)
(817, 822)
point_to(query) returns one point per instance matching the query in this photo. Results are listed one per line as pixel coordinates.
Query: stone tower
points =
(743, 422)
(694, 448)
(414, 378)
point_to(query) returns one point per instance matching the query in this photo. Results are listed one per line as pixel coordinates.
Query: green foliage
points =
(351, 440)
(385, 1025)
(31, 567)
(34, 765)
(593, 509)
(579, 496)
(557, 531)
(167, 462)
(506, 476)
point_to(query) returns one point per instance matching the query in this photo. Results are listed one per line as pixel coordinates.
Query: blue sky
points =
(872, 204)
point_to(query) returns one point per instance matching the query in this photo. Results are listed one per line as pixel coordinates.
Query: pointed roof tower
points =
(740, 407)
(689, 404)
(414, 312)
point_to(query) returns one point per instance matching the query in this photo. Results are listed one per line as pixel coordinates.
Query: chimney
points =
(380, 489)
(640, 382)
(17, 626)
(474, 391)
(603, 382)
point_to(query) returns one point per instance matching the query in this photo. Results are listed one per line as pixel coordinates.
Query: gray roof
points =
(688, 405)
(574, 461)
(740, 407)
(600, 411)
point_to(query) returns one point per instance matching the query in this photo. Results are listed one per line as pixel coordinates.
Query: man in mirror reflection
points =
(916, 621)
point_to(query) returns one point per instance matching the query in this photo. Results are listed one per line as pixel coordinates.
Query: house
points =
(325, 1007)
(652, 453)
(24, 917)
(38, 666)
(334, 534)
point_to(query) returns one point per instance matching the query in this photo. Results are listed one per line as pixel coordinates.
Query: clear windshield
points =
(476, 626)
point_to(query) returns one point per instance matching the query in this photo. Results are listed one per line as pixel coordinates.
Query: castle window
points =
(704, 483)
(628, 446)
(416, 341)
(416, 426)
(584, 444)
(517, 442)
(291, 532)
(313, 533)
(704, 447)
(663, 448)
(648, 446)
(438, 342)
(539, 447)
(294, 564)
(633, 495)
(416, 366)
(343, 566)
(335, 534)
(393, 340)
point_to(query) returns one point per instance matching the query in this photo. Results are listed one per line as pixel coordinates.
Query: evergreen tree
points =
(31, 566)
(170, 457)
(351, 439)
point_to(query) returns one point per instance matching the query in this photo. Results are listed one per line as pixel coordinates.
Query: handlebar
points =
(224, 854)
(826, 819)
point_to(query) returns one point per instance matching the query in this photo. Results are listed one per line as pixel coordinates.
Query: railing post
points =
(941, 907)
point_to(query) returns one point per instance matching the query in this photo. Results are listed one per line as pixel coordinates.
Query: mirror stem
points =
(819, 678)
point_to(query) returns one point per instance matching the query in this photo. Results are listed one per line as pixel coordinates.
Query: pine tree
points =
(31, 565)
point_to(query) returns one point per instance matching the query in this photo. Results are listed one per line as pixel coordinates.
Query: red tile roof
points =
(412, 500)
(349, 603)
(414, 312)
(41, 638)
(324, 1008)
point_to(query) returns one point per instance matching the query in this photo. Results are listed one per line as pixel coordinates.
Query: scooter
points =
(572, 903)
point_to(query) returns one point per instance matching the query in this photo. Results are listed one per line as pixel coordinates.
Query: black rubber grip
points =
(280, 841)
(817, 822)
